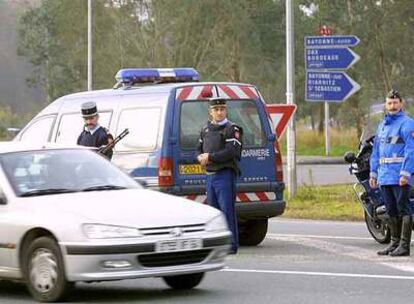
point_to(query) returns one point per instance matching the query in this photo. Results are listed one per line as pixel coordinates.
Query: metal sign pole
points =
(89, 45)
(290, 96)
(327, 142)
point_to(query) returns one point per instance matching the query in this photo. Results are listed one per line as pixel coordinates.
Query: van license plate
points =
(178, 245)
(191, 169)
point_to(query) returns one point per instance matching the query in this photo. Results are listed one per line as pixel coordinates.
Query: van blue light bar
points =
(136, 76)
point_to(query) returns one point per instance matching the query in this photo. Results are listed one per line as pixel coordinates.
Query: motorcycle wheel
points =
(378, 229)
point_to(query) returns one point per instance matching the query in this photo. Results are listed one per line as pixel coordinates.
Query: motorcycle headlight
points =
(217, 224)
(100, 231)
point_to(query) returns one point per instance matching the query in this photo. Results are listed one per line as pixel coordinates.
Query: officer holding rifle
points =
(94, 135)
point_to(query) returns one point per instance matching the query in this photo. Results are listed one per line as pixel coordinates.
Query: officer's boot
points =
(394, 224)
(404, 248)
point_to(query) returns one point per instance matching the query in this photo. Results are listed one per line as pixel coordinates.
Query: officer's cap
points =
(394, 94)
(89, 109)
(217, 102)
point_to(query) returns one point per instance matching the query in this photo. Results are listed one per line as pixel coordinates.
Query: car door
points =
(7, 246)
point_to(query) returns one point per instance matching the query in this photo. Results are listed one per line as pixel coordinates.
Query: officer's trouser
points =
(221, 194)
(397, 200)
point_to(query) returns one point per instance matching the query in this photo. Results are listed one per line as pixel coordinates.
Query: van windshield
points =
(194, 115)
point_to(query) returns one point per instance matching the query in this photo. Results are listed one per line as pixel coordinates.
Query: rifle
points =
(107, 149)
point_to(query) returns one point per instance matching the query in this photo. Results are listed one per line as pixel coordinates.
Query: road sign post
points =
(330, 58)
(329, 86)
(336, 41)
(325, 58)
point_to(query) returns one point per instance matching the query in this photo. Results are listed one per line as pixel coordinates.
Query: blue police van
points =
(164, 110)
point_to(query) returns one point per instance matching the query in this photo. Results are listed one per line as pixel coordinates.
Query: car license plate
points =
(191, 169)
(178, 245)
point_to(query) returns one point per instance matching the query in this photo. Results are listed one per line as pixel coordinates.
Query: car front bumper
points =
(102, 262)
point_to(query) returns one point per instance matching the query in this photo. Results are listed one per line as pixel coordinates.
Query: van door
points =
(38, 130)
(71, 125)
(258, 155)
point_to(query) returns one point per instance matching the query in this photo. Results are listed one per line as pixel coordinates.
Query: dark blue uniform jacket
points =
(98, 139)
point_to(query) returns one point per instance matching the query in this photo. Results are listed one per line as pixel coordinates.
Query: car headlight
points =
(100, 231)
(218, 223)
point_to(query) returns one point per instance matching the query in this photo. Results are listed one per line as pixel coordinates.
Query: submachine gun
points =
(107, 150)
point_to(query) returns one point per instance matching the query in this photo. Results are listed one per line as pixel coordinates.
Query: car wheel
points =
(253, 232)
(185, 281)
(44, 271)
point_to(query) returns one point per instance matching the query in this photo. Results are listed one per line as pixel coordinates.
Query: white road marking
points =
(400, 263)
(325, 274)
(320, 236)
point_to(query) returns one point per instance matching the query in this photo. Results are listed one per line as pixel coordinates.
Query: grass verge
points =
(333, 202)
(310, 142)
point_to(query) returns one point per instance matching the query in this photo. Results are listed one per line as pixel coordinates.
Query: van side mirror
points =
(271, 137)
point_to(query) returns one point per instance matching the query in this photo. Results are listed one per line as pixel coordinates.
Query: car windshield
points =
(44, 172)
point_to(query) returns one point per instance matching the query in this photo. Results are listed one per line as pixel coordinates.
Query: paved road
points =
(322, 174)
(299, 262)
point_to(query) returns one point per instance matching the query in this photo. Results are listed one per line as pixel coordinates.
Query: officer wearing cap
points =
(219, 151)
(93, 135)
(392, 164)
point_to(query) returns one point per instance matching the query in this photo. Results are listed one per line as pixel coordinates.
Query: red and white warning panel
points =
(199, 92)
(241, 197)
(280, 114)
(237, 92)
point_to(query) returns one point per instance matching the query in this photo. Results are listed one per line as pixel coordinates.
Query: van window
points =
(71, 125)
(143, 125)
(194, 116)
(39, 130)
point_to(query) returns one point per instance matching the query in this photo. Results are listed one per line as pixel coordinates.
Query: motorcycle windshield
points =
(371, 127)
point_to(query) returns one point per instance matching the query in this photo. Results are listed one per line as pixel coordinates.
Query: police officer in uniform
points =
(219, 151)
(392, 164)
(93, 135)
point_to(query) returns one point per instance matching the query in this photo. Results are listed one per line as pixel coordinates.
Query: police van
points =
(164, 111)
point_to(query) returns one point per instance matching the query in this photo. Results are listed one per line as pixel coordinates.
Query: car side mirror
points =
(3, 199)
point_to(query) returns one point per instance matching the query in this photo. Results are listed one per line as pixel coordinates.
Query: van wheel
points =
(44, 272)
(253, 232)
(185, 281)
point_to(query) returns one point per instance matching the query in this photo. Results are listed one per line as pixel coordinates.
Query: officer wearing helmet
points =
(392, 165)
(93, 135)
(219, 151)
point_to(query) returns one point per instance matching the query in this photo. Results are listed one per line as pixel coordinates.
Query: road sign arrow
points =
(330, 58)
(329, 86)
(329, 41)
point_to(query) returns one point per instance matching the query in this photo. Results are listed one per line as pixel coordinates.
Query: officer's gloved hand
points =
(373, 183)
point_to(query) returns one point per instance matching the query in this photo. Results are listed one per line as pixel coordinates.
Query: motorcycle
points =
(370, 199)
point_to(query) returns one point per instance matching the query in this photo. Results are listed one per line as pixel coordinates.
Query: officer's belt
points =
(391, 160)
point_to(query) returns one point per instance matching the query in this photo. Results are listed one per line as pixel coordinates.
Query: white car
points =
(67, 215)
